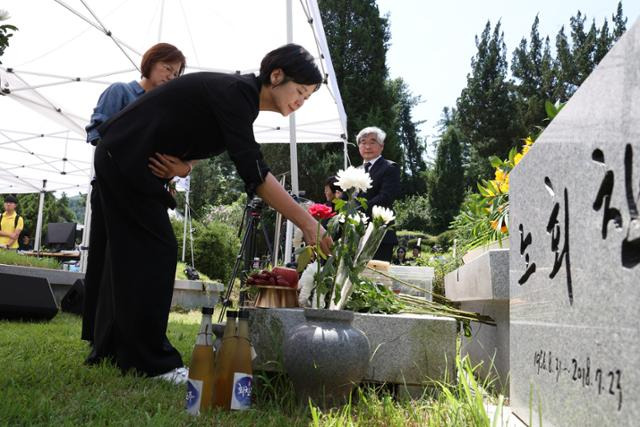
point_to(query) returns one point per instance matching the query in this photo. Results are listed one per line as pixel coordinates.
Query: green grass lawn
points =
(43, 381)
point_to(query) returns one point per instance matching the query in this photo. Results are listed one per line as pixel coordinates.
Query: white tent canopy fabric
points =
(67, 52)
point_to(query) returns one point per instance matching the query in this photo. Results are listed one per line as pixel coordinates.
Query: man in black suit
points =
(385, 188)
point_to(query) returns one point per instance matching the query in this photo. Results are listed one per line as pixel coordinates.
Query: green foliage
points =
(180, 275)
(464, 403)
(77, 205)
(316, 162)
(5, 32)
(472, 225)
(446, 180)
(10, 257)
(214, 182)
(445, 239)
(54, 210)
(215, 247)
(411, 145)
(215, 250)
(619, 22)
(358, 39)
(488, 112)
(370, 297)
(45, 382)
(413, 213)
(231, 214)
(409, 239)
(60, 397)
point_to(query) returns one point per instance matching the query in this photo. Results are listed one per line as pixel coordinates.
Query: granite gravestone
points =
(575, 255)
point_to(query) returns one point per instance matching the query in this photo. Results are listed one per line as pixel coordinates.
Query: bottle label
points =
(241, 392)
(194, 396)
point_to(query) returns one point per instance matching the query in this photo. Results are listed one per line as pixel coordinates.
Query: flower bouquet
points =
(334, 275)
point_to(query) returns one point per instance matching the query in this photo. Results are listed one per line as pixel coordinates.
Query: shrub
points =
(445, 239)
(215, 246)
(413, 213)
(215, 250)
(227, 214)
(11, 257)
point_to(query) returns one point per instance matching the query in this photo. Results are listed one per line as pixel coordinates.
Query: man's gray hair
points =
(379, 133)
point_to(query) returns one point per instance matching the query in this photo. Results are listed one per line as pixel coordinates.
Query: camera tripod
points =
(247, 253)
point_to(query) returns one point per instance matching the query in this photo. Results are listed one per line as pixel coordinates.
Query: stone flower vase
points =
(326, 357)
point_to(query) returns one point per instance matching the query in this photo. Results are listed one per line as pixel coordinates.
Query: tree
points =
(603, 44)
(534, 70)
(411, 145)
(310, 179)
(619, 22)
(54, 210)
(488, 112)
(446, 180)
(583, 47)
(214, 181)
(567, 72)
(358, 39)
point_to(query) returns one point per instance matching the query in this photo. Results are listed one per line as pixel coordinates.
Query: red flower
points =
(320, 211)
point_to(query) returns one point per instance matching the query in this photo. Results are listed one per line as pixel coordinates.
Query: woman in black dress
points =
(195, 116)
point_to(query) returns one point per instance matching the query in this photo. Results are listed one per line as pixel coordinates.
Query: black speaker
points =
(73, 301)
(27, 298)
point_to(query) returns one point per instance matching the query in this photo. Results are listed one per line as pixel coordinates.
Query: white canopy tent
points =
(66, 53)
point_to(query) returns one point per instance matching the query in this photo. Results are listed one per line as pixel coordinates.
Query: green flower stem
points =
(418, 305)
(407, 284)
(317, 263)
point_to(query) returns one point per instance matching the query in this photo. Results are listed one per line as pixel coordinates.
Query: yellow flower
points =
(525, 149)
(500, 175)
(504, 185)
(528, 141)
(494, 225)
(517, 158)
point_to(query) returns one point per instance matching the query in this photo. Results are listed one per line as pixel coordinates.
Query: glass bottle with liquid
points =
(222, 377)
(241, 369)
(200, 382)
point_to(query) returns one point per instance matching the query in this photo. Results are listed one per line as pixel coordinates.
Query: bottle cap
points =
(242, 314)
(232, 314)
(207, 310)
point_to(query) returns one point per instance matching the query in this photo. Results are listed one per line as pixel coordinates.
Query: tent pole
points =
(39, 223)
(278, 230)
(346, 152)
(293, 152)
(186, 220)
(84, 247)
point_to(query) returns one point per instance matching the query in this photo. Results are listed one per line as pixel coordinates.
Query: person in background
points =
(11, 224)
(163, 62)
(385, 186)
(196, 116)
(415, 252)
(332, 191)
(25, 243)
(400, 258)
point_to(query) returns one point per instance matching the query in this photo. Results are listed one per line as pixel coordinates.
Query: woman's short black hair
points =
(296, 63)
(331, 182)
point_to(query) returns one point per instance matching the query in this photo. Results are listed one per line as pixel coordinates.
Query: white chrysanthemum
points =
(353, 178)
(297, 239)
(355, 218)
(305, 284)
(384, 215)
